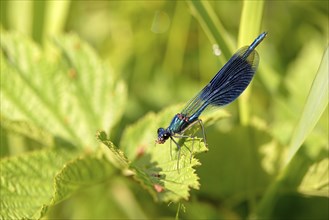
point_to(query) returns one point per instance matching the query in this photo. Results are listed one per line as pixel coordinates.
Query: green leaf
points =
(27, 183)
(251, 18)
(316, 180)
(288, 106)
(250, 22)
(316, 103)
(241, 163)
(53, 98)
(70, 93)
(28, 130)
(303, 158)
(81, 172)
(155, 167)
(27, 191)
(116, 156)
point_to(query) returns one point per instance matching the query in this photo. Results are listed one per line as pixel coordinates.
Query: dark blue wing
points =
(227, 84)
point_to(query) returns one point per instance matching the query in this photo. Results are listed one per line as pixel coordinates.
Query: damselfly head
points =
(163, 135)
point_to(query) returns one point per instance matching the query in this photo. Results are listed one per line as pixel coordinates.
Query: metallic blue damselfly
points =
(225, 87)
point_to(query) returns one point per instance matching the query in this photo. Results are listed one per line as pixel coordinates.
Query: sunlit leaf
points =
(315, 105)
(79, 173)
(27, 191)
(70, 94)
(316, 181)
(53, 98)
(28, 130)
(27, 183)
(155, 166)
(116, 156)
(288, 106)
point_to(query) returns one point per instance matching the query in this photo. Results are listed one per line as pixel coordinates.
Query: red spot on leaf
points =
(158, 188)
(72, 73)
(140, 151)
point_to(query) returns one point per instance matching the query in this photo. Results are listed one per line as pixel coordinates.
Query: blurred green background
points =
(164, 56)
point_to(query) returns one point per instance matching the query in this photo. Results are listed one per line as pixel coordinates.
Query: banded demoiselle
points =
(225, 87)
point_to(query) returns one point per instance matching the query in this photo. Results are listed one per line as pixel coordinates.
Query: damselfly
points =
(225, 87)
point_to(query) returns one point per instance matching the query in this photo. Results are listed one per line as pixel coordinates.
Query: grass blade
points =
(316, 103)
(213, 27)
(250, 23)
(301, 158)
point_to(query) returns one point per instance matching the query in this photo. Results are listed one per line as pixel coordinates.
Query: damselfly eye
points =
(160, 130)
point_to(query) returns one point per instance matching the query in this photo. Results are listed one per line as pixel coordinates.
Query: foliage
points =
(267, 158)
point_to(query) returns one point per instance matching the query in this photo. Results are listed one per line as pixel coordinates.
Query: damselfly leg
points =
(179, 150)
(199, 121)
